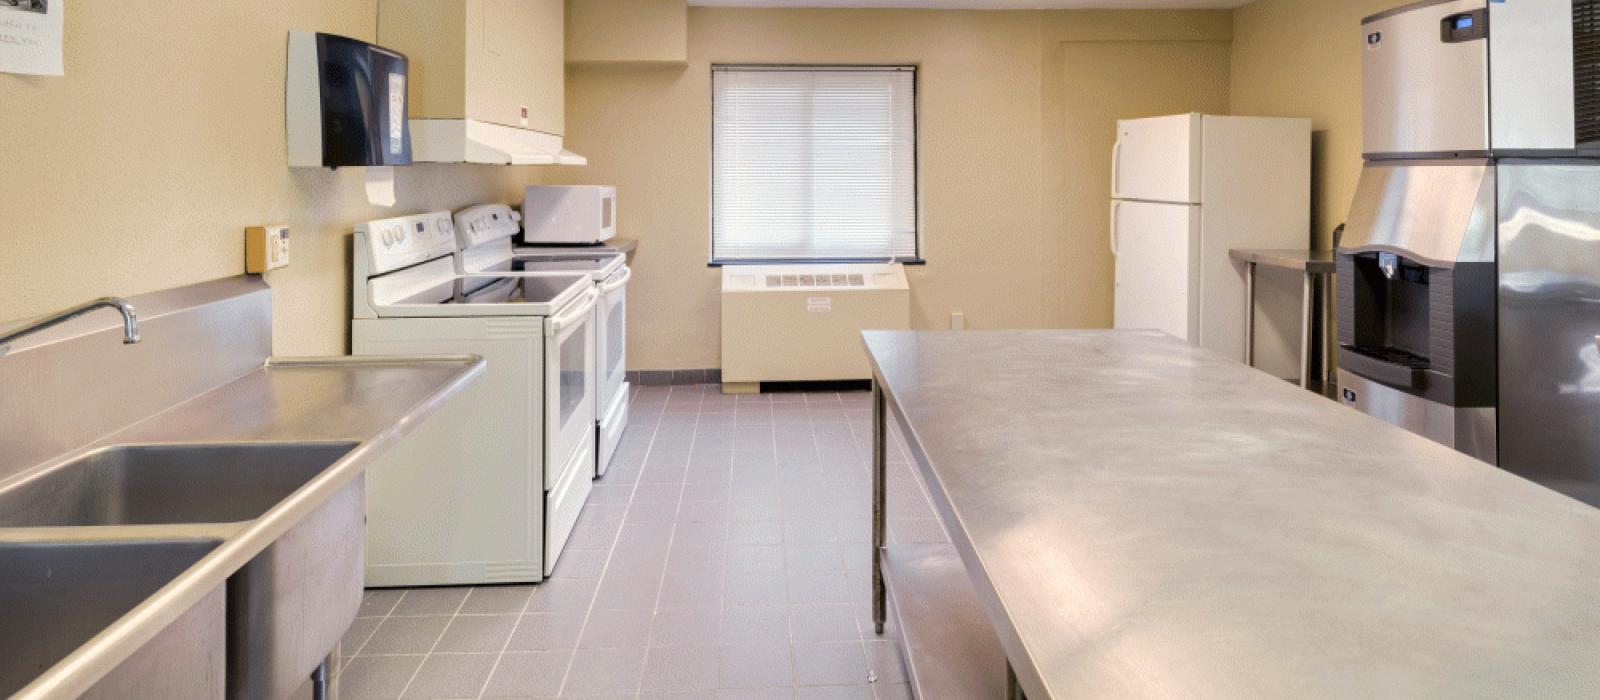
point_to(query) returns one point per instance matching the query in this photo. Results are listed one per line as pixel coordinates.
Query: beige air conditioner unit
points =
(791, 323)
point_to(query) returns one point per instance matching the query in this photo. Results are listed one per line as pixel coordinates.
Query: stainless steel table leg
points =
(1327, 336)
(1013, 688)
(1306, 295)
(1250, 314)
(319, 682)
(880, 469)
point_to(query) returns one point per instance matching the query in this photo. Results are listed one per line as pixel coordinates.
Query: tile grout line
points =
(611, 552)
(494, 667)
(655, 609)
(783, 542)
(521, 616)
(381, 620)
(435, 644)
(342, 666)
(808, 481)
(727, 539)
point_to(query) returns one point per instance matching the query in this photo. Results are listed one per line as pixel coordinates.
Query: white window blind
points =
(813, 163)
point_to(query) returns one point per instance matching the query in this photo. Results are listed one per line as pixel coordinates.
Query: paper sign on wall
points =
(30, 37)
(819, 305)
(380, 184)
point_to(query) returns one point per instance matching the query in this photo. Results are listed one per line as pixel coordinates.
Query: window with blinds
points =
(814, 163)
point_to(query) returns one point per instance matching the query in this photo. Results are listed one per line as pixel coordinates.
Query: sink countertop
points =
(367, 401)
(1141, 518)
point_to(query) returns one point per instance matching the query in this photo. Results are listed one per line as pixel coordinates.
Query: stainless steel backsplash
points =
(76, 383)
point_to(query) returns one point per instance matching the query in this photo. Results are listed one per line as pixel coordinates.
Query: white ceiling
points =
(985, 4)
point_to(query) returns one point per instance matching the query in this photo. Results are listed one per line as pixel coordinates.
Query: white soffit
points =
(988, 4)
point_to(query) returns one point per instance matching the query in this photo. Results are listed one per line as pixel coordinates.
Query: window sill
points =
(841, 261)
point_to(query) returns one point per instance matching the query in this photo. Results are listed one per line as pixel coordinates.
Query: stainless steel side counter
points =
(1139, 518)
(282, 439)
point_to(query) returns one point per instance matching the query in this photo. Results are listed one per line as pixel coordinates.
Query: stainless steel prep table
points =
(1316, 268)
(1140, 518)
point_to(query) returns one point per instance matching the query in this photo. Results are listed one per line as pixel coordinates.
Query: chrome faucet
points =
(130, 322)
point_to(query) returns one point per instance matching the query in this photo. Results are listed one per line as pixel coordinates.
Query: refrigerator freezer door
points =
(1156, 246)
(1157, 159)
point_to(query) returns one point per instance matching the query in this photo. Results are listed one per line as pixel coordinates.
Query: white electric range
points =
(483, 234)
(488, 489)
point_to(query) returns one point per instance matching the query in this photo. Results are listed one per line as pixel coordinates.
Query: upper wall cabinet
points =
(627, 31)
(487, 78)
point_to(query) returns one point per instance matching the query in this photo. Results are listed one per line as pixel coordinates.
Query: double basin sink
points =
(87, 541)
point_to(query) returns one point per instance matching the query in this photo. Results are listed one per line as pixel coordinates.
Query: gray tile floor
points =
(724, 555)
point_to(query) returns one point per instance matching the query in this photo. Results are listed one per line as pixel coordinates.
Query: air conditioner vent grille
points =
(811, 281)
(1586, 69)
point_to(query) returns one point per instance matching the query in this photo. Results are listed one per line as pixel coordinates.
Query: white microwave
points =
(573, 214)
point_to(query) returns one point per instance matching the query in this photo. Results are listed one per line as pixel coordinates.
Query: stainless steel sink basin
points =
(55, 596)
(166, 484)
(285, 609)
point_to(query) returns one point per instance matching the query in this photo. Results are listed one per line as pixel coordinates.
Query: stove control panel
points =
(486, 223)
(391, 244)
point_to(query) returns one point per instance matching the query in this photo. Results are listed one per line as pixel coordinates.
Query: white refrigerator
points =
(1184, 190)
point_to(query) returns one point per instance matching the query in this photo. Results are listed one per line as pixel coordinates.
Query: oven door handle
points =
(618, 281)
(574, 313)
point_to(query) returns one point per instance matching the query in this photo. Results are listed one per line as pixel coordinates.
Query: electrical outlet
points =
(265, 248)
(958, 321)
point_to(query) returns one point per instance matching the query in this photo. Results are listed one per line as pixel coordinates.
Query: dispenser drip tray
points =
(1391, 366)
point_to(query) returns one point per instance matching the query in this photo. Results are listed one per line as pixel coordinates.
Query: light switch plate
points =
(265, 248)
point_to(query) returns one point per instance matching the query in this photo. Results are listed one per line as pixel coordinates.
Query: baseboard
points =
(846, 385)
(713, 376)
(673, 377)
(839, 385)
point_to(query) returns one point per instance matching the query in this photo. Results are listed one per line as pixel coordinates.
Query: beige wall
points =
(992, 160)
(160, 152)
(141, 167)
(1303, 58)
(1172, 77)
(612, 31)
